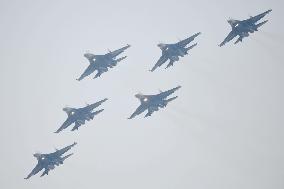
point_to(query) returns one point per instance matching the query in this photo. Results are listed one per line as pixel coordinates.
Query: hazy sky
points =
(225, 131)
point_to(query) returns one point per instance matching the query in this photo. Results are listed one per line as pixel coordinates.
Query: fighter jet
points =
(101, 63)
(49, 161)
(243, 28)
(152, 103)
(80, 115)
(172, 52)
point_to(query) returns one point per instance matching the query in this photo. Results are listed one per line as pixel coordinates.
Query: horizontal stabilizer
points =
(260, 24)
(187, 49)
(171, 99)
(120, 59)
(67, 156)
(97, 112)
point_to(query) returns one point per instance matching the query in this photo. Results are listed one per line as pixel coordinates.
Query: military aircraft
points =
(101, 63)
(80, 115)
(153, 102)
(172, 52)
(244, 27)
(49, 161)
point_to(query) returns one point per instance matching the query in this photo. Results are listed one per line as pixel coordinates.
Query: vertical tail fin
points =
(96, 112)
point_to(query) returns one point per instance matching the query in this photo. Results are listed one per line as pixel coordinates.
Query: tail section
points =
(67, 156)
(120, 59)
(64, 150)
(118, 51)
(170, 99)
(187, 49)
(96, 113)
(260, 24)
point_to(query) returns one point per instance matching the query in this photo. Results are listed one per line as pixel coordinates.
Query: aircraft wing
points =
(94, 105)
(117, 52)
(58, 153)
(66, 124)
(90, 69)
(138, 111)
(37, 169)
(258, 17)
(184, 42)
(229, 37)
(168, 92)
(160, 62)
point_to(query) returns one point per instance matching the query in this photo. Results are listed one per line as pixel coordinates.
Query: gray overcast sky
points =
(225, 131)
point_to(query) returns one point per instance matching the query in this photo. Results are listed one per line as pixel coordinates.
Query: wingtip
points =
(153, 69)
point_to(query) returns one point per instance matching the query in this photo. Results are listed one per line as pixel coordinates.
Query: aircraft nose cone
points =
(139, 96)
(89, 56)
(37, 155)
